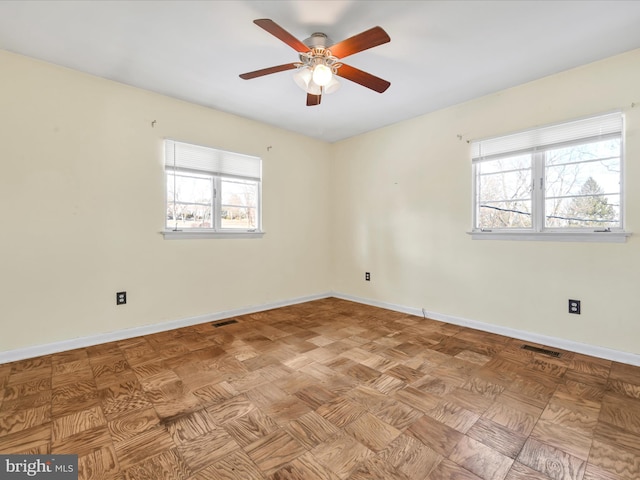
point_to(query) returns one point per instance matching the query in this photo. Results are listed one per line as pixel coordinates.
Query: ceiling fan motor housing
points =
(319, 54)
(318, 39)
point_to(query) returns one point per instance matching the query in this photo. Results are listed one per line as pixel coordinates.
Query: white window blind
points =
(185, 156)
(597, 127)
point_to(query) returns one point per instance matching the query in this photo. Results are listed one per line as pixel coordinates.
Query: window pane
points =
(505, 215)
(583, 152)
(503, 193)
(582, 186)
(188, 215)
(189, 200)
(239, 204)
(595, 211)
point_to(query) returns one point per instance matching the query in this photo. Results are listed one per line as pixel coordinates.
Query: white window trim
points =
(218, 176)
(539, 232)
(202, 234)
(595, 237)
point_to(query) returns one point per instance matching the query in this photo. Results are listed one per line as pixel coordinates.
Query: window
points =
(562, 179)
(211, 191)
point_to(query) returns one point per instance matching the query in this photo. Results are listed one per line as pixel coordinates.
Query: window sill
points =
(598, 237)
(200, 234)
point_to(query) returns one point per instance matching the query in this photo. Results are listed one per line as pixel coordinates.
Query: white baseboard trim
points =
(64, 345)
(586, 349)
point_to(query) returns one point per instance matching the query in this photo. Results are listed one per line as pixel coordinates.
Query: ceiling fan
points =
(321, 60)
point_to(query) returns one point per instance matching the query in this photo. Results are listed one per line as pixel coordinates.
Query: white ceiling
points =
(441, 52)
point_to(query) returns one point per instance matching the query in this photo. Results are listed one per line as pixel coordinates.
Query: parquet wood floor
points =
(327, 390)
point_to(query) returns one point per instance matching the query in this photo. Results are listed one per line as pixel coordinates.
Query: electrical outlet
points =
(121, 298)
(367, 276)
(574, 306)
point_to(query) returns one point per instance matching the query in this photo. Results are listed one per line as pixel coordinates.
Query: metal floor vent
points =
(222, 324)
(544, 351)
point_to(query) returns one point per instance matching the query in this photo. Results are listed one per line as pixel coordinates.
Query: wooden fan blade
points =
(268, 71)
(363, 78)
(313, 99)
(277, 31)
(370, 38)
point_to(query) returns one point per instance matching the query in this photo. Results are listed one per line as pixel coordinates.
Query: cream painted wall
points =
(402, 205)
(82, 192)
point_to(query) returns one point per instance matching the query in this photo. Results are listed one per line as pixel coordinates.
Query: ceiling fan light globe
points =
(332, 86)
(302, 77)
(322, 75)
(314, 89)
